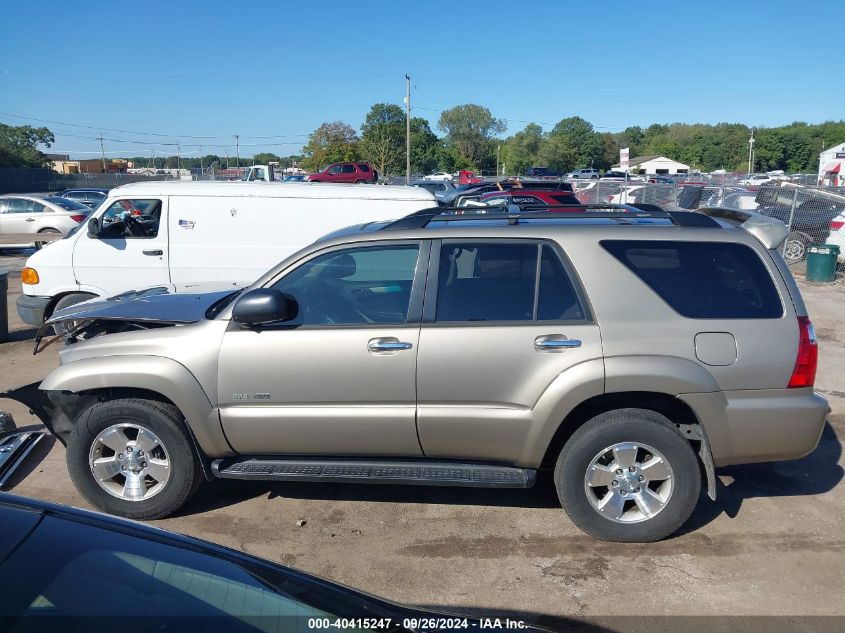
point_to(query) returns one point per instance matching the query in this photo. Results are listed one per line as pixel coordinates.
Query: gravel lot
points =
(772, 544)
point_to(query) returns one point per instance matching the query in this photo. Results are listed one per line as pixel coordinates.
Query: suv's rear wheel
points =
(628, 475)
(134, 458)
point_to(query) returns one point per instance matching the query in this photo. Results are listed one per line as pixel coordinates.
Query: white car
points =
(439, 175)
(837, 235)
(756, 180)
(31, 215)
(587, 173)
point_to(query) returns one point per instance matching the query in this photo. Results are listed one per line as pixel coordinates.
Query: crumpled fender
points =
(161, 375)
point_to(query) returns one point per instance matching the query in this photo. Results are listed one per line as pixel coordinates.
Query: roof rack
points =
(623, 214)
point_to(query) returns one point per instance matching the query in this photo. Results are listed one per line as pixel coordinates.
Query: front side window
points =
(487, 281)
(127, 219)
(21, 205)
(336, 169)
(702, 280)
(357, 286)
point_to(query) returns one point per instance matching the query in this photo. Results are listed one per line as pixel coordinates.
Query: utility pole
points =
(103, 152)
(498, 147)
(201, 169)
(153, 158)
(238, 150)
(407, 129)
(178, 155)
(751, 152)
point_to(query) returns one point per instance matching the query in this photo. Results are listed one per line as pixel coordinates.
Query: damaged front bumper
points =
(55, 409)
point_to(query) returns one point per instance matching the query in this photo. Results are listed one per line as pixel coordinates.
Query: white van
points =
(171, 234)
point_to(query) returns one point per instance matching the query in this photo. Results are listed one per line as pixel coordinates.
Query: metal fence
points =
(34, 180)
(807, 211)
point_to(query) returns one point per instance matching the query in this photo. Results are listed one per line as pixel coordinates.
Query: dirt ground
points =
(772, 544)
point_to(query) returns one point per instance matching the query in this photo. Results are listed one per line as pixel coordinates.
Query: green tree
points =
(265, 158)
(424, 147)
(383, 138)
(522, 150)
(573, 143)
(330, 143)
(470, 130)
(19, 145)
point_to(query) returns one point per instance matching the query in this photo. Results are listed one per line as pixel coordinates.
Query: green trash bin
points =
(4, 315)
(821, 262)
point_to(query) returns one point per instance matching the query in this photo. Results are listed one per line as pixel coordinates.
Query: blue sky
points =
(280, 69)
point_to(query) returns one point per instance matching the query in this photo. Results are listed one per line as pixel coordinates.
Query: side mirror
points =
(93, 227)
(264, 305)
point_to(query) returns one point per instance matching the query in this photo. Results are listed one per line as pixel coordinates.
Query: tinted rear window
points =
(702, 280)
(363, 168)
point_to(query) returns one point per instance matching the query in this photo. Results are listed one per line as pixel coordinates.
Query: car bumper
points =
(31, 309)
(763, 425)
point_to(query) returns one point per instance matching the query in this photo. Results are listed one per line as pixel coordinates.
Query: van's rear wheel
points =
(133, 458)
(628, 475)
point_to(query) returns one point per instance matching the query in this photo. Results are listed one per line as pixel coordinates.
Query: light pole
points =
(407, 129)
(498, 147)
(237, 151)
(751, 152)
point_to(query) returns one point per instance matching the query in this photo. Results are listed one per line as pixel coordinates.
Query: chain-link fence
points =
(812, 214)
(34, 180)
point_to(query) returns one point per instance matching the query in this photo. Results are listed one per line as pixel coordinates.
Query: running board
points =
(417, 473)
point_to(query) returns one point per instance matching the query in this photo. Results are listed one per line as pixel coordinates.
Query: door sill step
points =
(410, 472)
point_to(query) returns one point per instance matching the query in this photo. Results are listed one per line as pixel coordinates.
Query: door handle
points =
(555, 343)
(154, 253)
(30, 219)
(387, 345)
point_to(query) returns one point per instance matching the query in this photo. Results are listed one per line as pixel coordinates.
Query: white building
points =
(652, 165)
(832, 166)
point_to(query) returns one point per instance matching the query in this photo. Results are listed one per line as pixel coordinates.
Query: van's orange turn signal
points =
(29, 276)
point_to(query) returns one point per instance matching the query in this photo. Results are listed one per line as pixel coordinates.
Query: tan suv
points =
(626, 353)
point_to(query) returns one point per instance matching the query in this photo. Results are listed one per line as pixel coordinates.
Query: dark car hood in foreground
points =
(162, 304)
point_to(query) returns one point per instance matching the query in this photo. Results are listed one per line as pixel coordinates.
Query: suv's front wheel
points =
(133, 458)
(628, 475)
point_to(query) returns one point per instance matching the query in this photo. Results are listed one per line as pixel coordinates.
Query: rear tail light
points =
(804, 374)
(836, 225)
(78, 218)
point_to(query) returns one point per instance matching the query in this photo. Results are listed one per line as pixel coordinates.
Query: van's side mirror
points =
(93, 227)
(264, 305)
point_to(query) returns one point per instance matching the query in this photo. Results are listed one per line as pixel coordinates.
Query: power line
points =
(161, 134)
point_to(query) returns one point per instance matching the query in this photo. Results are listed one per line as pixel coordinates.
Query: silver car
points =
(38, 217)
(623, 353)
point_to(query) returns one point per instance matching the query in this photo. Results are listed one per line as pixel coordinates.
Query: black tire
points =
(66, 302)
(164, 421)
(627, 425)
(40, 245)
(360, 182)
(795, 247)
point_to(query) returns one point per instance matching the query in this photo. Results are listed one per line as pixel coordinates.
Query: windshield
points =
(69, 205)
(218, 307)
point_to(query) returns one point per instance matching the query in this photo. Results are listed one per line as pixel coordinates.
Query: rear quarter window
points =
(702, 280)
